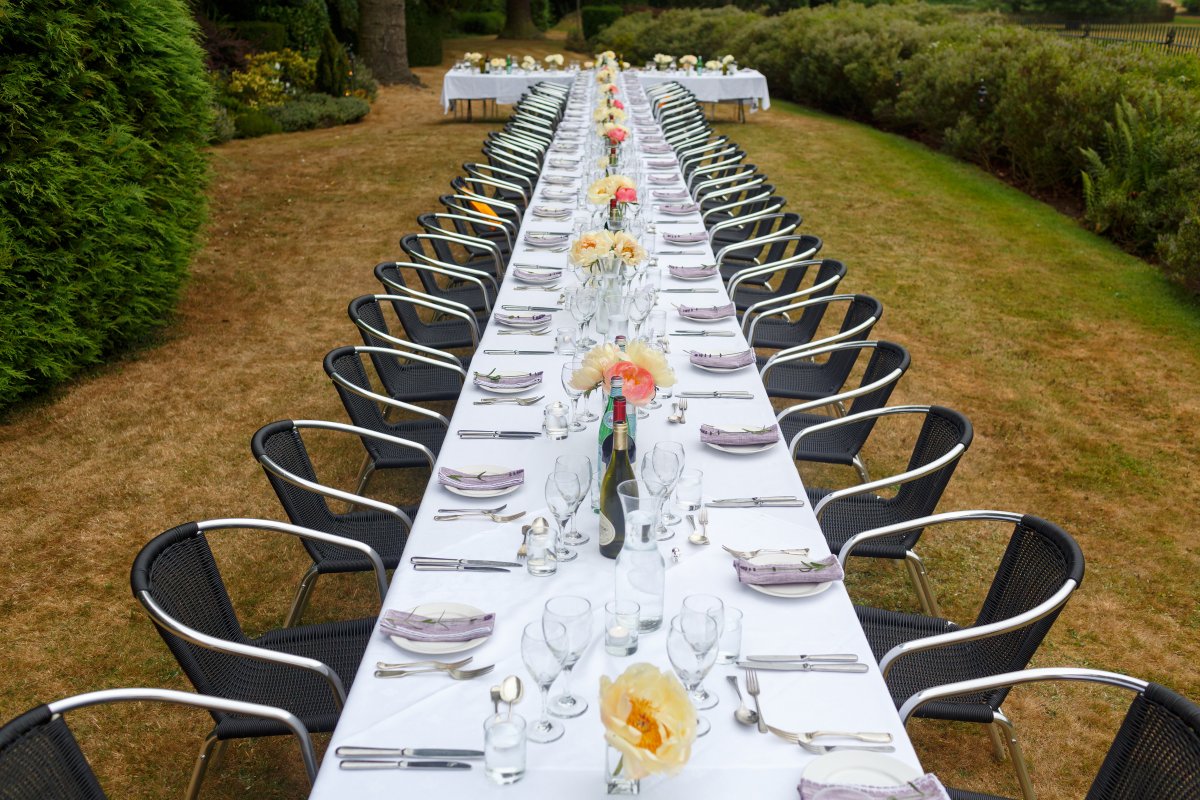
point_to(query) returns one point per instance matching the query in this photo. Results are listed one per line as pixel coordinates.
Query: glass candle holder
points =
(621, 627)
(504, 748)
(729, 648)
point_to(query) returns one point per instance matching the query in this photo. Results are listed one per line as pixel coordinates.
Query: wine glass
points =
(574, 613)
(543, 649)
(640, 307)
(660, 470)
(692, 649)
(568, 372)
(587, 415)
(703, 605)
(563, 495)
(582, 467)
(587, 301)
(669, 516)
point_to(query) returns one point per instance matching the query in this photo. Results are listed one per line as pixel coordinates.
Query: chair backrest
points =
(886, 358)
(1156, 752)
(345, 363)
(282, 443)
(942, 431)
(40, 758)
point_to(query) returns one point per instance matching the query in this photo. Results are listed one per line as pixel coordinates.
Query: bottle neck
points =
(619, 414)
(621, 435)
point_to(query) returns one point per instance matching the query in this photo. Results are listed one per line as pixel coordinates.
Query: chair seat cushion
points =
(386, 455)
(802, 380)
(835, 446)
(853, 515)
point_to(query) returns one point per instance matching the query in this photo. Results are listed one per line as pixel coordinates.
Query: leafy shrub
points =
(223, 48)
(1192, 6)
(333, 67)
(223, 126)
(1037, 107)
(102, 179)
(318, 111)
(362, 83)
(304, 20)
(263, 35)
(486, 23)
(597, 18)
(270, 78)
(253, 122)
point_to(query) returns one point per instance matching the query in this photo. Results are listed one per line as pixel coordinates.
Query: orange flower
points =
(637, 382)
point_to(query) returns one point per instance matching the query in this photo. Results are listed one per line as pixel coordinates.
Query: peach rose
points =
(590, 247)
(628, 249)
(626, 194)
(655, 361)
(637, 382)
(648, 717)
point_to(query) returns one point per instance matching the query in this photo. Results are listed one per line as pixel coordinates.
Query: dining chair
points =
(764, 330)
(1041, 567)
(458, 328)
(280, 450)
(448, 281)
(1154, 754)
(366, 409)
(40, 758)
(731, 233)
(304, 670)
(786, 262)
(843, 445)
(944, 436)
(470, 255)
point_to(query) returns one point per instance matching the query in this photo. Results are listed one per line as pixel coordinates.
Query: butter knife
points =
(404, 752)
(356, 764)
(518, 352)
(473, 562)
(804, 666)
(702, 333)
(843, 658)
(690, 291)
(738, 395)
(731, 500)
(533, 308)
(757, 502)
(422, 567)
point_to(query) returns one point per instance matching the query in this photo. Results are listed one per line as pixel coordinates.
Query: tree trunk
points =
(518, 21)
(381, 34)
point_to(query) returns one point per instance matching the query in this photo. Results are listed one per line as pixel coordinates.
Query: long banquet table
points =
(507, 88)
(712, 87)
(732, 760)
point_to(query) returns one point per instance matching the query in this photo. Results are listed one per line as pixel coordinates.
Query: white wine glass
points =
(563, 495)
(544, 649)
(568, 372)
(692, 649)
(669, 515)
(574, 613)
(581, 466)
(694, 607)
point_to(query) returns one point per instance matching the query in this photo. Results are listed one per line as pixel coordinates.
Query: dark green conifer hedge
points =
(104, 110)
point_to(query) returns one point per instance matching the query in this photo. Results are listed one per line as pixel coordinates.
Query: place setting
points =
(501, 382)
(739, 440)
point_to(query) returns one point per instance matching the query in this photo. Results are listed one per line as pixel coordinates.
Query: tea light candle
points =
(621, 628)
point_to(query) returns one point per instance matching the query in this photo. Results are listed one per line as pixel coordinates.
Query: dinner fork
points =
(393, 665)
(822, 749)
(455, 674)
(520, 401)
(753, 690)
(470, 515)
(523, 550)
(791, 551)
(495, 510)
(527, 332)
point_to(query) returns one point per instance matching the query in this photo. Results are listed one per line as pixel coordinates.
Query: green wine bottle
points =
(612, 515)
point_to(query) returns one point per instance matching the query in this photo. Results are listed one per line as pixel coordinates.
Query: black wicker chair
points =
(1155, 753)
(433, 338)
(40, 758)
(345, 368)
(737, 231)
(1040, 569)
(843, 513)
(304, 670)
(279, 448)
(789, 336)
(753, 293)
(458, 253)
(843, 445)
(468, 291)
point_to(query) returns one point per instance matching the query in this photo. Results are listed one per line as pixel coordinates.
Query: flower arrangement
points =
(497, 63)
(472, 58)
(628, 249)
(615, 133)
(612, 187)
(605, 76)
(647, 718)
(528, 63)
(727, 60)
(588, 64)
(662, 60)
(611, 89)
(606, 114)
(688, 62)
(554, 60)
(590, 247)
(713, 65)
(617, 104)
(642, 369)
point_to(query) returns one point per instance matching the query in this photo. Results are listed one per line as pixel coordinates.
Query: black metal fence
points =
(1173, 38)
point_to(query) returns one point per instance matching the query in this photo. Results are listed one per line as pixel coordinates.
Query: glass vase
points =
(615, 781)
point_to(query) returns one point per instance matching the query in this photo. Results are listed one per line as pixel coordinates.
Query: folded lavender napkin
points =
(926, 787)
(680, 208)
(552, 211)
(671, 194)
(496, 381)
(820, 570)
(558, 194)
(686, 238)
(537, 275)
(459, 479)
(705, 271)
(657, 148)
(421, 628)
(723, 360)
(546, 239)
(565, 163)
(706, 312)
(661, 163)
(711, 434)
(661, 178)
(522, 320)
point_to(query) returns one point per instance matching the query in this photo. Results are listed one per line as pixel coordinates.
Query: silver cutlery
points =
(520, 401)
(698, 252)
(689, 291)
(540, 331)
(757, 502)
(536, 289)
(530, 308)
(674, 417)
(843, 658)
(495, 510)
(882, 737)
(745, 554)
(821, 749)
(413, 664)
(523, 550)
(404, 752)
(700, 538)
(423, 567)
(518, 352)
(472, 434)
(722, 395)
(742, 713)
(454, 674)
(752, 689)
(702, 333)
(535, 266)
(472, 562)
(802, 666)
(472, 515)
(364, 764)
(683, 410)
(547, 233)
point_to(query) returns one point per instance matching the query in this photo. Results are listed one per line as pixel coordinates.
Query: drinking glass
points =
(587, 300)
(563, 495)
(657, 320)
(690, 489)
(621, 627)
(656, 471)
(567, 373)
(730, 646)
(574, 613)
(504, 748)
(581, 466)
(640, 307)
(669, 517)
(543, 649)
(692, 649)
(695, 607)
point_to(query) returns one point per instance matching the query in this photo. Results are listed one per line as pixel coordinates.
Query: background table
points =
(713, 87)
(498, 86)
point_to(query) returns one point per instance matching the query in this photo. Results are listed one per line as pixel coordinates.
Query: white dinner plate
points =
(475, 469)
(506, 389)
(860, 767)
(521, 321)
(723, 369)
(450, 611)
(694, 278)
(786, 589)
(740, 450)
(542, 276)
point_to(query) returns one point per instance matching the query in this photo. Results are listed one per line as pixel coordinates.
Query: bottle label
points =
(608, 532)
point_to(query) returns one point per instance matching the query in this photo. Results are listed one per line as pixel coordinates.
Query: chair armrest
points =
(771, 312)
(426, 301)
(882, 483)
(433, 362)
(1041, 610)
(451, 359)
(386, 400)
(783, 265)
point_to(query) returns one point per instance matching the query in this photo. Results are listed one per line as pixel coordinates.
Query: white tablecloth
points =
(498, 86)
(732, 760)
(713, 87)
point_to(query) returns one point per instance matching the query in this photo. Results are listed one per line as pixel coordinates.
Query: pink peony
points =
(616, 135)
(618, 104)
(626, 195)
(638, 383)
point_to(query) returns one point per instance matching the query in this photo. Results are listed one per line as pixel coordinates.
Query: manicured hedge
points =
(1042, 110)
(105, 109)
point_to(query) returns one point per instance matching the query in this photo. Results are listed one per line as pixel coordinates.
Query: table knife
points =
(750, 502)
(702, 333)
(356, 764)
(535, 266)
(736, 395)
(499, 434)
(804, 666)
(843, 658)
(423, 567)
(689, 291)
(531, 308)
(682, 252)
(518, 352)
(404, 752)
(473, 562)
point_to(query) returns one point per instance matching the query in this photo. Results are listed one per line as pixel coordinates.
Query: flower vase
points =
(616, 781)
(616, 217)
(613, 156)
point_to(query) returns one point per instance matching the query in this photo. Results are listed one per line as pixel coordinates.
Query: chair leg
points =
(863, 476)
(920, 578)
(364, 474)
(302, 594)
(1018, 756)
(998, 749)
(198, 771)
